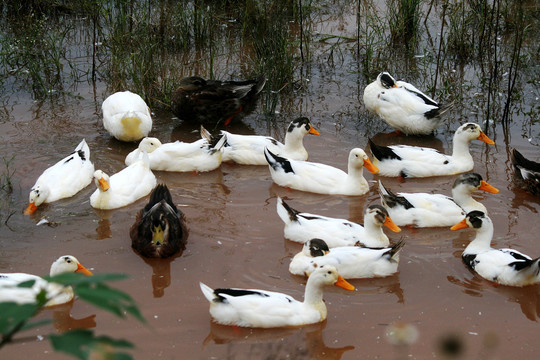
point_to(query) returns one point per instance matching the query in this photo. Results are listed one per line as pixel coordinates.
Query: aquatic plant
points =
(80, 343)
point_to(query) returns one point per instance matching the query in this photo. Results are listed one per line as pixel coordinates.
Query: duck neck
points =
(482, 241)
(464, 199)
(460, 148)
(375, 232)
(314, 292)
(294, 142)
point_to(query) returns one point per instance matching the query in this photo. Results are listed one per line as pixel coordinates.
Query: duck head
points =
(101, 180)
(38, 195)
(68, 264)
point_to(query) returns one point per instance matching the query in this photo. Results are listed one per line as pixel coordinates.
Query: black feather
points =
(382, 152)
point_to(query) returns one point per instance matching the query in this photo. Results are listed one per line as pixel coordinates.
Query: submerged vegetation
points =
(460, 50)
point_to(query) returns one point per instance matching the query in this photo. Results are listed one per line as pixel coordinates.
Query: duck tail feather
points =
(285, 212)
(382, 152)
(207, 292)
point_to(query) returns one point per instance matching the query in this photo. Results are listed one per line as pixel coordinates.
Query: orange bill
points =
(30, 209)
(460, 225)
(369, 165)
(486, 187)
(103, 184)
(483, 137)
(82, 270)
(342, 283)
(313, 131)
(391, 225)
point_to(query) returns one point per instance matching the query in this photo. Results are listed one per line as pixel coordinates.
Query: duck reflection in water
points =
(527, 297)
(161, 273)
(306, 342)
(63, 320)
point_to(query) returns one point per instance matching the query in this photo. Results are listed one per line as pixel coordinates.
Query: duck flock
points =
(333, 249)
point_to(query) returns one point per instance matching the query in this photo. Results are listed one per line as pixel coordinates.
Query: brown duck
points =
(214, 101)
(160, 229)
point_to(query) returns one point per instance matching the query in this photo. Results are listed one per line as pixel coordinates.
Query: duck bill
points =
(391, 225)
(342, 283)
(460, 225)
(483, 137)
(30, 209)
(313, 131)
(369, 165)
(486, 187)
(157, 236)
(82, 270)
(103, 184)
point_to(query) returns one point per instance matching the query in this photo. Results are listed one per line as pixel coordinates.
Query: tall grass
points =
(146, 46)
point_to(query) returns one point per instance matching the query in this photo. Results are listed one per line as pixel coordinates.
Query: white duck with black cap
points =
(302, 227)
(249, 149)
(433, 210)
(352, 262)
(503, 266)
(403, 106)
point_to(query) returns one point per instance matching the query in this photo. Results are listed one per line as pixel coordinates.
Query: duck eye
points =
(329, 272)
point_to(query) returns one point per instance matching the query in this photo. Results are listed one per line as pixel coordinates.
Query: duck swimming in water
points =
(160, 229)
(268, 309)
(414, 161)
(403, 106)
(214, 101)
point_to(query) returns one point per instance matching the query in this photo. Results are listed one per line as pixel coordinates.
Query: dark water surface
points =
(236, 237)
(236, 240)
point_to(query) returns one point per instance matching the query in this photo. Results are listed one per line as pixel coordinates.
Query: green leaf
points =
(110, 299)
(82, 343)
(13, 315)
(35, 324)
(26, 284)
(78, 279)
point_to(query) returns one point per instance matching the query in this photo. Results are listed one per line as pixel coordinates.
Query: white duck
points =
(351, 262)
(321, 178)
(249, 149)
(64, 179)
(56, 294)
(403, 106)
(202, 155)
(302, 227)
(124, 187)
(126, 116)
(268, 309)
(503, 266)
(414, 161)
(432, 210)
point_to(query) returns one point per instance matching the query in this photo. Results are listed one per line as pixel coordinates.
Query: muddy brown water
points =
(236, 240)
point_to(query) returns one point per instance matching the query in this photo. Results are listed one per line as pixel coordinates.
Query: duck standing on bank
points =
(403, 106)
(62, 180)
(414, 161)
